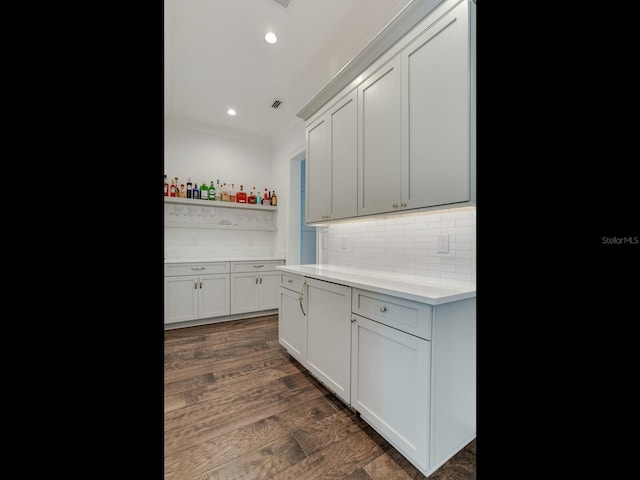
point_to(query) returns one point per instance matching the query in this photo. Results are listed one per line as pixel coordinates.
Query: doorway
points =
(307, 233)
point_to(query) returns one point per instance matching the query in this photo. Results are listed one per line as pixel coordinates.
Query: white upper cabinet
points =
(332, 157)
(410, 125)
(436, 113)
(379, 136)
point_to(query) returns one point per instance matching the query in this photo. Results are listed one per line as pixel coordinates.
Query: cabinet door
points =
(317, 171)
(379, 154)
(268, 290)
(180, 299)
(436, 110)
(292, 324)
(343, 145)
(329, 335)
(244, 292)
(214, 295)
(390, 385)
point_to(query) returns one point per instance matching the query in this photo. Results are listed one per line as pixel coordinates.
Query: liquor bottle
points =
(265, 199)
(212, 191)
(172, 189)
(241, 196)
(232, 193)
(182, 192)
(274, 199)
(224, 196)
(196, 192)
(166, 186)
(204, 191)
(218, 191)
(189, 188)
(251, 198)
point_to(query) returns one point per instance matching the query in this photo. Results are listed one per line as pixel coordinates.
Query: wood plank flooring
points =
(238, 407)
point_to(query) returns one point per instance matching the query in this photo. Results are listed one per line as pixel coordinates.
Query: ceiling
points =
(216, 58)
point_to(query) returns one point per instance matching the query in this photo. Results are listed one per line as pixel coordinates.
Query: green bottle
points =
(212, 191)
(204, 192)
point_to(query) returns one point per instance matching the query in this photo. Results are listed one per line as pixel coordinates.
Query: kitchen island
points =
(398, 349)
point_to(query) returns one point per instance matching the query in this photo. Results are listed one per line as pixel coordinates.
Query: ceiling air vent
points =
(284, 3)
(276, 103)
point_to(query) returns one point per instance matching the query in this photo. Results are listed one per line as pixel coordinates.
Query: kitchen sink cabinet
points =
(254, 286)
(292, 316)
(195, 291)
(332, 158)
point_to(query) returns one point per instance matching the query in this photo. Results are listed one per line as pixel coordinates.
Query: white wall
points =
(406, 244)
(205, 156)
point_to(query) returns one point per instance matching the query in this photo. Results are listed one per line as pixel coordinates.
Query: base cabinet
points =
(254, 286)
(192, 296)
(292, 317)
(390, 385)
(329, 335)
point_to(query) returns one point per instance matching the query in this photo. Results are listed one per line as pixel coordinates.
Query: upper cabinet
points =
(332, 156)
(401, 135)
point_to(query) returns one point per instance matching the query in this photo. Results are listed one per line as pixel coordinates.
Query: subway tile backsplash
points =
(406, 244)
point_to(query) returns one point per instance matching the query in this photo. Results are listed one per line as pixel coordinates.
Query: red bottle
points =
(241, 196)
(251, 198)
(166, 187)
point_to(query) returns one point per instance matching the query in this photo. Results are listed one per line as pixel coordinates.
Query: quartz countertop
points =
(221, 259)
(430, 290)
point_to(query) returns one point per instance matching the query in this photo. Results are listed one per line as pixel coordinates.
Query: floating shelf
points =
(217, 203)
(190, 213)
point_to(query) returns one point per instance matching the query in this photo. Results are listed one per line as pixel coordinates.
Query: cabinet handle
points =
(258, 266)
(260, 280)
(200, 283)
(289, 281)
(256, 279)
(300, 297)
(353, 319)
(403, 204)
(195, 283)
(383, 309)
(395, 205)
(197, 268)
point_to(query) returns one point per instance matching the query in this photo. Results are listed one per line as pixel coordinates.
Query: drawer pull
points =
(289, 281)
(258, 266)
(383, 308)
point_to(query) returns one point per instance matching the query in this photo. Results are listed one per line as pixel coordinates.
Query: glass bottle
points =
(218, 191)
(196, 192)
(166, 186)
(274, 199)
(189, 188)
(172, 189)
(182, 193)
(265, 199)
(204, 191)
(232, 193)
(212, 191)
(241, 196)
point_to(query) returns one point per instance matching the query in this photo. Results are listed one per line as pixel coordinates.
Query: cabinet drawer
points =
(172, 270)
(292, 282)
(255, 266)
(405, 315)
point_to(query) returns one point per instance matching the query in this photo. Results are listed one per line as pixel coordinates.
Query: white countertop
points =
(220, 259)
(434, 291)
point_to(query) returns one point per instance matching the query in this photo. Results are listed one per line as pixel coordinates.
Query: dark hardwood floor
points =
(238, 407)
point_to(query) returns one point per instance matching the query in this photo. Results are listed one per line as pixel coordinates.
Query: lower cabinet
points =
(254, 286)
(408, 368)
(329, 335)
(390, 385)
(191, 293)
(292, 317)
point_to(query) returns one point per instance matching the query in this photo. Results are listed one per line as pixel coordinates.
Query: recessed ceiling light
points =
(231, 111)
(271, 37)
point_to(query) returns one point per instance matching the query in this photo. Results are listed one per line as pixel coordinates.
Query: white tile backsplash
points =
(407, 244)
